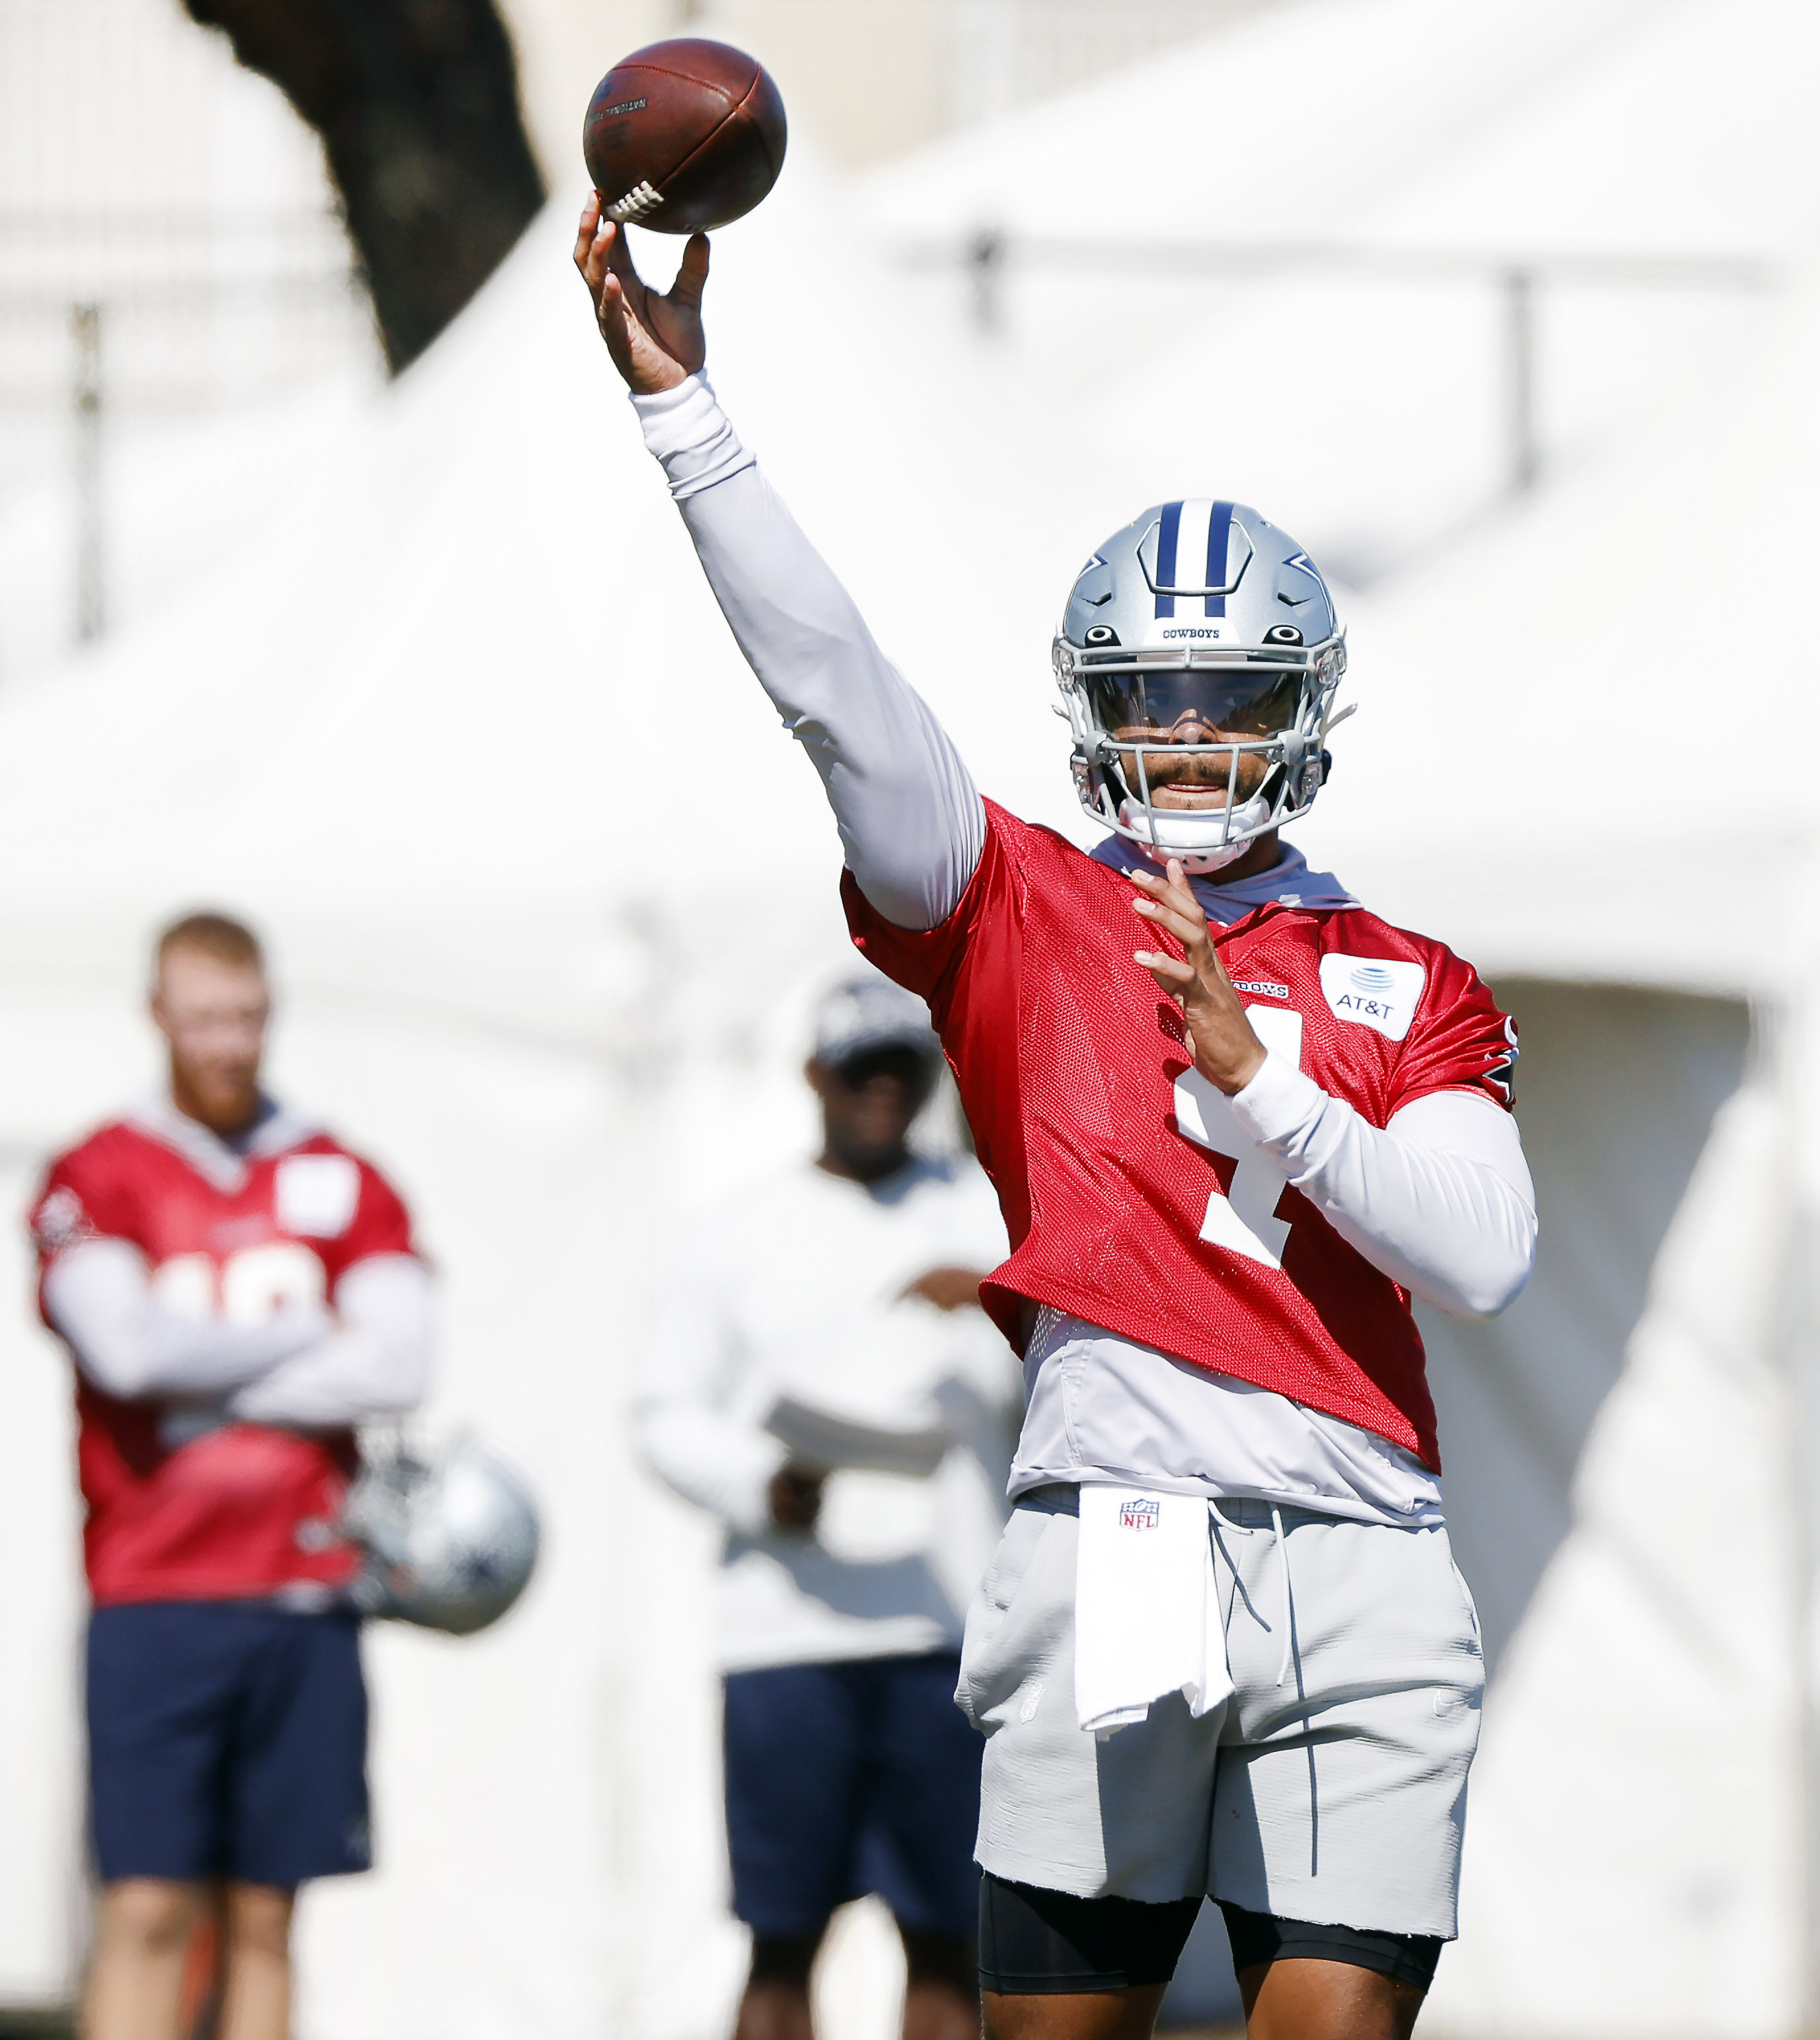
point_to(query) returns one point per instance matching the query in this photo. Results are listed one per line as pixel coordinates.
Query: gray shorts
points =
(1337, 1796)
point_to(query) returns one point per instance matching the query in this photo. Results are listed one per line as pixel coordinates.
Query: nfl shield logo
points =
(1140, 1515)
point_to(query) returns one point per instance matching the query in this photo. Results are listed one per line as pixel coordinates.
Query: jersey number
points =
(1244, 1220)
(248, 1286)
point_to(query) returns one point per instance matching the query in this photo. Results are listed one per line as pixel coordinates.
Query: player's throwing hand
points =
(1226, 1051)
(656, 340)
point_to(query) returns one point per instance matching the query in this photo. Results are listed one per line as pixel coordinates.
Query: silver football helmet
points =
(450, 1541)
(1199, 655)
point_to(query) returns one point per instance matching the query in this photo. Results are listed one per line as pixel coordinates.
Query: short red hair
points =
(218, 935)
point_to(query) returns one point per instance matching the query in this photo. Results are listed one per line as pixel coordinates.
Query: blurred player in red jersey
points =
(238, 1291)
(1222, 1650)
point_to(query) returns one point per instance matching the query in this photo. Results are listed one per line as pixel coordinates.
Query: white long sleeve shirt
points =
(795, 1290)
(302, 1366)
(375, 1362)
(99, 1296)
(1440, 1200)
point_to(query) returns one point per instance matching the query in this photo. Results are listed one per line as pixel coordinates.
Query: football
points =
(684, 135)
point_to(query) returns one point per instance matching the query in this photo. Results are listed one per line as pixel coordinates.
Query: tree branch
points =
(416, 104)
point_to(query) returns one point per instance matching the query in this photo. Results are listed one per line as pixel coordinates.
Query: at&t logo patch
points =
(1373, 991)
(1140, 1515)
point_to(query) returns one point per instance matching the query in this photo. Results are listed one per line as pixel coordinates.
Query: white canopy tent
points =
(429, 737)
(1639, 1812)
(1285, 256)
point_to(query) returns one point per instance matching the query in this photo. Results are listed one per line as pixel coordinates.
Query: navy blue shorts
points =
(227, 1739)
(849, 1778)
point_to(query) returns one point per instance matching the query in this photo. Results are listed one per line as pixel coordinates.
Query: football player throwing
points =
(1222, 1649)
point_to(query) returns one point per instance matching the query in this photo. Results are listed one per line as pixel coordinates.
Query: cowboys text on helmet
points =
(1198, 657)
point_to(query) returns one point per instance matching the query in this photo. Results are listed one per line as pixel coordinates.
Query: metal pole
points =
(1797, 1328)
(1519, 337)
(986, 256)
(1784, 1038)
(91, 606)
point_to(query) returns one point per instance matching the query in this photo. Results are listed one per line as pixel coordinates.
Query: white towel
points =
(1146, 1607)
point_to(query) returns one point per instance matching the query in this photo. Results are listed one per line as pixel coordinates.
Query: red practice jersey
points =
(241, 1509)
(1123, 1177)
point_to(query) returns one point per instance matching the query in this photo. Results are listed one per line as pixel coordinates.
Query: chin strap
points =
(1197, 863)
(1200, 864)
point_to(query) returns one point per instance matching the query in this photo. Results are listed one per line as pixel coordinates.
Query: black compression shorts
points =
(1034, 1941)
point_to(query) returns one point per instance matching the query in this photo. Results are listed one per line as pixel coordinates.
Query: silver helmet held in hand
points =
(1199, 615)
(450, 1541)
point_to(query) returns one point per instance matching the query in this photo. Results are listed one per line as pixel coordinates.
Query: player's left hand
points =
(794, 1497)
(1226, 1051)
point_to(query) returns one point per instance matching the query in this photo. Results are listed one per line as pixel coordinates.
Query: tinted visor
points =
(1235, 701)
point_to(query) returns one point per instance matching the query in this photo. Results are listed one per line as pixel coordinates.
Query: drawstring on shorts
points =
(1286, 1617)
(1288, 1605)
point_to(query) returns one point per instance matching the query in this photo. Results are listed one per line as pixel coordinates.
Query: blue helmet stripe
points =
(1166, 538)
(1219, 530)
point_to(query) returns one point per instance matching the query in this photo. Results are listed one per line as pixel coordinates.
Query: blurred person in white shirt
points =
(821, 1379)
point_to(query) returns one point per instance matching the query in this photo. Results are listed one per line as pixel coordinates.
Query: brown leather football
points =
(684, 135)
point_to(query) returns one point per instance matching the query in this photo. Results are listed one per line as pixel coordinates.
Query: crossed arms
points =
(301, 1366)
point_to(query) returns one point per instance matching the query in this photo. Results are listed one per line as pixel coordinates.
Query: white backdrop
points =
(419, 731)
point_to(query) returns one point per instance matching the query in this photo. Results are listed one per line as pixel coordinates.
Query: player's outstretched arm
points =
(911, 821)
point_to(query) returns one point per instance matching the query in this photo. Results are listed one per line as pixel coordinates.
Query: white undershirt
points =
(1440, 1200)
